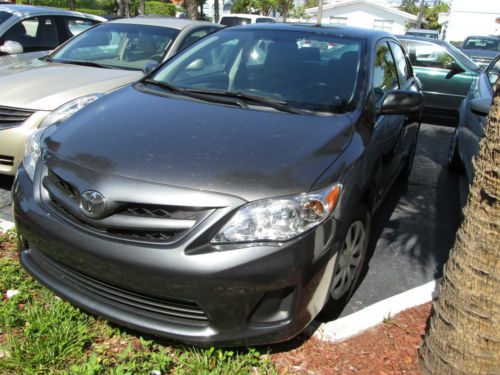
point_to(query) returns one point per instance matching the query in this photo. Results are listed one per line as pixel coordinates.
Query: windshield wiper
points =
(81, 62)
(164, 85)
(279, 104)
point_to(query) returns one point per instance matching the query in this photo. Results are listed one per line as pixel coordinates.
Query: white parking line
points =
(372, 315)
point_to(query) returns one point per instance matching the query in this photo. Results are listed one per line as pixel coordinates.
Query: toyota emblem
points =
(92, 204)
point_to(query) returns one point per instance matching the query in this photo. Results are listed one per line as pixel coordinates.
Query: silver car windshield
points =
(306, 70)
(117, 45)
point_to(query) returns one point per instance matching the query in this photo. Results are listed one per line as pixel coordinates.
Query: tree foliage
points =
(242, 6)
(285, 7)
(311, 4)
(432, 14)
(266, 7)
(409, 6)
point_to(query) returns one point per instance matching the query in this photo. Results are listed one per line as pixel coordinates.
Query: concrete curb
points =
(372, 315)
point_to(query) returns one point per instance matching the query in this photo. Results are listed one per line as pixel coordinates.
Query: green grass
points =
(42, 334)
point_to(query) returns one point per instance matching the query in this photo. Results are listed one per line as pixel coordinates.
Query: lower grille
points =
(175, 310)
(6, 160)
(10, 117)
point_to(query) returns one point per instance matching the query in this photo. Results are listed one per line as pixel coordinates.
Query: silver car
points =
(97, 61)
(27, 30)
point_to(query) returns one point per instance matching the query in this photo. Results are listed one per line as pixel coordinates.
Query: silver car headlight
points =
(279, 219)
(32, 151)
(67, 110)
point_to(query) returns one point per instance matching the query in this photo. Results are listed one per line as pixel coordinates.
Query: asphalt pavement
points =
(412, 233)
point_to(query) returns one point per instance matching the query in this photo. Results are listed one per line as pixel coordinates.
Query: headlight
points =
(279, 219)
(32, 151)
(66, 110)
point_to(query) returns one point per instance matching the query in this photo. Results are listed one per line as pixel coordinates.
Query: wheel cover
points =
(349, 259)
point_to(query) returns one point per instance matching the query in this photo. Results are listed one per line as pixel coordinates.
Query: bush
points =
(105, 5)
(156, 7)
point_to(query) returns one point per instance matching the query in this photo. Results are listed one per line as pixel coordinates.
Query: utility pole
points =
(420, 15)
(320, 13)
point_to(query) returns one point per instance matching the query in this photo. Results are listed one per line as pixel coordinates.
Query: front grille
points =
(6, 160)
(175, 310)
(10, 117)
(59, 190)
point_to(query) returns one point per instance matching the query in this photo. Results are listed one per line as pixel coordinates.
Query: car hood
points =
(252, 154)
(480, 53)
(43, 85)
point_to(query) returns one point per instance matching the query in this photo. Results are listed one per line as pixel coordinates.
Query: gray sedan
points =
(472, 120)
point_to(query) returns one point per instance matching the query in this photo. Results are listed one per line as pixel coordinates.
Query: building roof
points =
(395, 11)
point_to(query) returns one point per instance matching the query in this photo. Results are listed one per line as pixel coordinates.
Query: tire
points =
(454, 163)
(348, 263)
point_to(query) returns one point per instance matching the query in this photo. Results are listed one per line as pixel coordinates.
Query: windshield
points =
(482, 43)
(4, 16)
(308, 70)
(117, 45)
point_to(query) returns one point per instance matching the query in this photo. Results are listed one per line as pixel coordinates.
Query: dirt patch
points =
(389, 348)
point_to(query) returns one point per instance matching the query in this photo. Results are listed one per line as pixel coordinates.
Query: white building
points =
(467, 17)
(364, 13)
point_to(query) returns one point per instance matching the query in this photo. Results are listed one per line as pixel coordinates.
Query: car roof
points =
(253, 16)
(423, 31)
(171, 22)
(28, 10)
(423, 39)
(348, 31)
(487, 37)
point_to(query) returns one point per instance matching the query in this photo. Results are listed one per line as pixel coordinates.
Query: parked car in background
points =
(445, 72)
(244, 19)
(225, 198)
(99, 60)
(423, 33)
(481, 49)
(32, 29)
(473, 111)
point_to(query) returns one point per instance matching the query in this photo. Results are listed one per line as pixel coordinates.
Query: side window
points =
(494, 72)
(193, 37)
(385, 76)
(401, 63)
(76, 25)
(429, 55)
(35, 34)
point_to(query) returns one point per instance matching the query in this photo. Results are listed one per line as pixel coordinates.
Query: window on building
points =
(385, 25)
(338, 20)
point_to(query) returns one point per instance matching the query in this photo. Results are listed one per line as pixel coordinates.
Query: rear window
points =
(482, 43)
(265, 20)
(423, 34)
(232, 21)
(4, 16)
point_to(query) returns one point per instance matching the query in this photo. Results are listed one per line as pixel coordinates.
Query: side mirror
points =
(10, 47)
(453, 68)
(480, 106)
(196, 65)
(149, 67)
(400, 102)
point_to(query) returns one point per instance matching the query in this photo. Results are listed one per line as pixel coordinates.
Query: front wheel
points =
(349, 262)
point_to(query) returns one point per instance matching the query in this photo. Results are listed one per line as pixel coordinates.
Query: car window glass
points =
(401, 64)
(193, 37)
(265, 20)
(429, 55)
(231, 21)
(34, 34)
(4, 16)
(385, 75)
(119, 45)
(76, 25)
(320, 73)
(482, 43)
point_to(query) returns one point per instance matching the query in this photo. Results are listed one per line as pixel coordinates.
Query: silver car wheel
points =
(349, 259)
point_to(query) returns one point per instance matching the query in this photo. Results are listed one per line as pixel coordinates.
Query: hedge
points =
(156, 7)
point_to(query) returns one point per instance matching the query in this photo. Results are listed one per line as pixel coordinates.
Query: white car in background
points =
(244, 19)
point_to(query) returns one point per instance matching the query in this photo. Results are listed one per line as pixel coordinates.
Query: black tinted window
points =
(232, 21)
(35, 34)
(385, 76)
(265, 20)
(4, 16)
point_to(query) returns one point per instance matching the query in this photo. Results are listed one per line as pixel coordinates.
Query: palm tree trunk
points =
(216, 11)
(142, 7)
(464, 329)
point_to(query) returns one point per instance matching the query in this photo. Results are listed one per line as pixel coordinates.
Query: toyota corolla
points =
(226, 197)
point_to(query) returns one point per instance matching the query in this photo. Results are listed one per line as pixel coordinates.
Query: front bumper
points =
(13, 141)
(240, 296)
